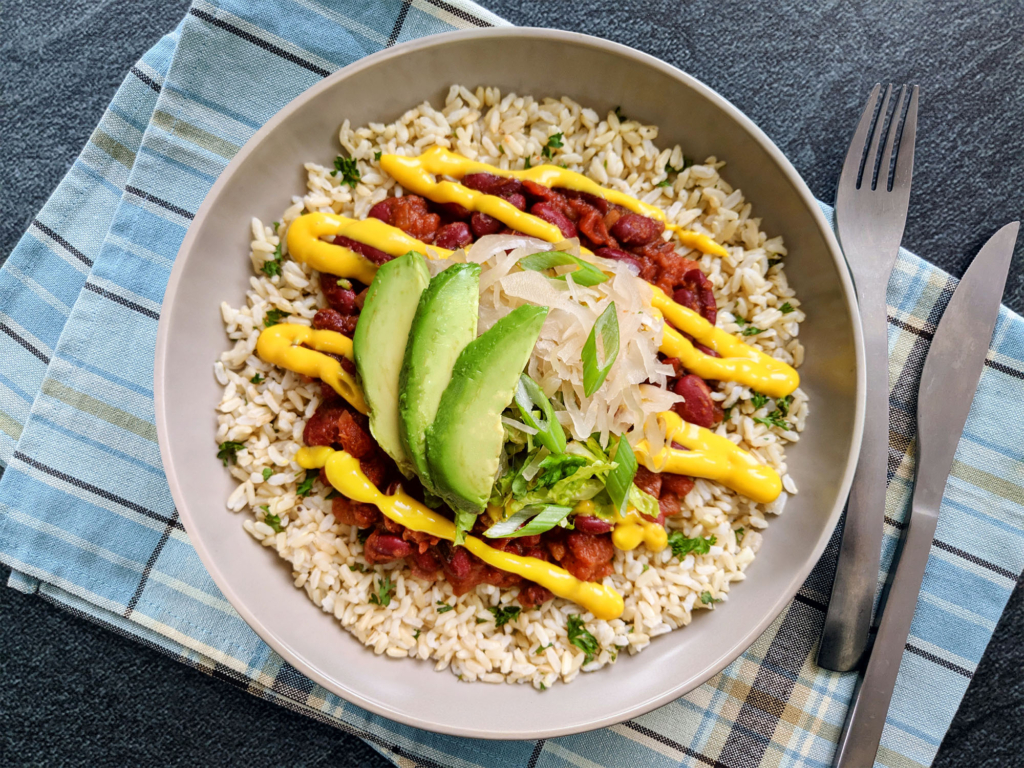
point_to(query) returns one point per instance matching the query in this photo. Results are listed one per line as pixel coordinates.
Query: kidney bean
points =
(676, 364)
(333, 320)
(542, 193)
(517, 200)
(531, 595)
(590, 223)
(453, 211)
(591, 524)
(633, 229)
(491, 184)
(382, 210)
(602, 205)
(341, 300)
(354, 513)
(549, 213)
(483, 225)
(453, 236)
(647, 481)
(680, 485)
(385, 547)
(425, 565)
(668, 506)
(698, 407)
(697, 283)
(377, 257)
(620, 255)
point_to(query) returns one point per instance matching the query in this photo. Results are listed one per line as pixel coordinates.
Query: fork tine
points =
(851, 166)
(876, 138)
(905, 156)
(883, 167)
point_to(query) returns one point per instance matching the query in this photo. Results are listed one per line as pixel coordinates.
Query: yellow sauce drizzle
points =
(739, 362)
(417, 175)
(279, 345)
(305, 245)
(710, 456)
(344, 474)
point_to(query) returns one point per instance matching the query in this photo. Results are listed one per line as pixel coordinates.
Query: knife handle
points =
(844, 635)
(865, 720)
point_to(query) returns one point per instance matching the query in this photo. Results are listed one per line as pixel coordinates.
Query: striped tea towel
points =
(87, 522)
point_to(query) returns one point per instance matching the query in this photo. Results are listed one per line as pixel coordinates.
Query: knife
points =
(948, 382)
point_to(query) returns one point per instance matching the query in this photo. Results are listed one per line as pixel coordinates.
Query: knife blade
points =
(949, 379)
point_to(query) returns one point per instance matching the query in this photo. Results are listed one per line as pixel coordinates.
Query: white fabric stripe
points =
(943, 653)
(19, 329)
(955, 610)
(196, 594)
(135, 249)
(68, 586)
(124, 293)
(57, 249)
(59, 533)
(38, 290)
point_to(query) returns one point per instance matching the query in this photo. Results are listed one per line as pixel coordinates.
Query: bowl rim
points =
(740, 643)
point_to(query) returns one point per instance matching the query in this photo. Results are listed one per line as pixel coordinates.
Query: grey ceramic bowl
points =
(212, 266)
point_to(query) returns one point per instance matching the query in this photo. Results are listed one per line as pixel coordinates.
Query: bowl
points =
(212, 266)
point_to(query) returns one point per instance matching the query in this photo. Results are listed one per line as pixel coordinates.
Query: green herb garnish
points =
(332, 495)
(740, 533)
(646, 567)
(759, 400)
(480, 621)
(530, 396)
(541, 649)
(228, 452)
(607, 327)
(348, 168)
(276, 225)
(554, 142)
(274, 316)
(416, 634)
(377, 154)
(363, 534)
(257, 379)
(272, 267)
(358, 568)
(782, 404)
(580, 636)
(773, 419)
(527, 164)
(786, 308)
(707, 599)
(385, 588)
(682, 546)
(751, 330)
(274, 521)
(543, 687)
(306, 486)
(585, 274)
(443, 607)
(501, 150)
(267, 472)
(503, 614)
(618, 114)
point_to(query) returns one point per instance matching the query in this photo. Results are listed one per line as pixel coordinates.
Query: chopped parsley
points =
(740, 533)
(501, 150)
(274, 316)
(759, 400)
(358, 567)
(786, 308)
(257, 379)
(480, 621)
(727, 413)
(541, 649)
(580, 636)
(276, 225)
(344, 283)
(228, 452)
(416, 634)
(773, 419)
(646, 567)
(332, 495)
(272, 267)
(554, 142)
(751, 330)
(618, 114)
(377, 154)
(363, 534)
(306, 486)
(543, 687)
(385, 588)
(503, 614)
(707, 599)
(267, 472)
(773, 260)
(527, 164)
(682, 546)
(274, 521)
(670, 170)
(665, 183)
(348, 168)
(783, 403)
(443, 607)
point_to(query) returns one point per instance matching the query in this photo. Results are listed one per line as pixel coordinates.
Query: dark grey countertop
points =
(76, 694)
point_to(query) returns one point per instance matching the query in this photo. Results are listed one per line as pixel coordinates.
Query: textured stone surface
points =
(75, 694)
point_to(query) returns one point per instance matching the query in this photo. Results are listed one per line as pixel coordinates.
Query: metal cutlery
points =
(871, 211)
(948, 381)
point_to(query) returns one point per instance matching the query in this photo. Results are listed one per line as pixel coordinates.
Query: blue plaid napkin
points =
(87, 521)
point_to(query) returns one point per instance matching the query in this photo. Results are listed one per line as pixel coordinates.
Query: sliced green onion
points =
(593, 374)
(529, 396)
(585, 273)
(541, 517)
(620, 479)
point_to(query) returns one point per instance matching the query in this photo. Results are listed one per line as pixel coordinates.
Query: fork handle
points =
(844, 636)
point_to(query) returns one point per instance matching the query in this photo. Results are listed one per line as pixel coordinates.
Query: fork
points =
(871, 212)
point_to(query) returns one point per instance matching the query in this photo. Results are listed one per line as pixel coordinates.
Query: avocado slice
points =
(379, 345)
(464, 442)
(444, 324)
